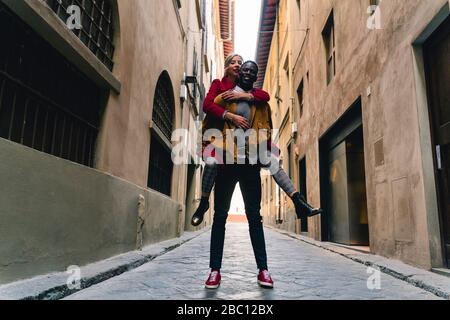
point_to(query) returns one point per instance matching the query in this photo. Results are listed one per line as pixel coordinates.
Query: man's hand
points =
(238, 121)
(231, 96)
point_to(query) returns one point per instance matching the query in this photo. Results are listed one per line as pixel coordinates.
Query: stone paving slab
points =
(301, 271)
(430, 281)
(54, 286)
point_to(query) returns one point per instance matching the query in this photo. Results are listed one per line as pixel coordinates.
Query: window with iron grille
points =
(161, 166)
(97, 31)
(163, 106)
(45, 103)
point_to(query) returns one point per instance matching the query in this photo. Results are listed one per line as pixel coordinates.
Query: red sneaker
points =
(264, 279)
(213, 281)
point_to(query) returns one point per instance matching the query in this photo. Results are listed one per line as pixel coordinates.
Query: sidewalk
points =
(54, 286)
(429, 281)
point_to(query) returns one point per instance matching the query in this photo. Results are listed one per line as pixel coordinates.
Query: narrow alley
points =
(126, 124)
(300, 271)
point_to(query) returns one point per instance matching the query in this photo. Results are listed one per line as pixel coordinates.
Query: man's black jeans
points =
(249, 179)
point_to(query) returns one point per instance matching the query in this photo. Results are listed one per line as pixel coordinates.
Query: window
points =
(286, 67)
(301, 98)
(289, 162)
(161, 166)
(373, 3)
(330, 47)
(163, 106)
(45, 102)
(97, 31)
(203, 15)
(299, 5)
(160, 169)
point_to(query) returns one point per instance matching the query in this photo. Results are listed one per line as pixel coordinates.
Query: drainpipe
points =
(278, 193)
(204, 47)
(278, 55)
(291, 73)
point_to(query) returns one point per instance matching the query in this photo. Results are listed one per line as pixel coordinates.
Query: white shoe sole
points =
(212, 287)
(265, 284)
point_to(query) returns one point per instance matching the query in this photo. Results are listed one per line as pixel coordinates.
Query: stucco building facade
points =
(360, 103)
(87, 114)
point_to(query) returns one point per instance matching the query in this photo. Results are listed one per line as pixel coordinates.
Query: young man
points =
(249, 178)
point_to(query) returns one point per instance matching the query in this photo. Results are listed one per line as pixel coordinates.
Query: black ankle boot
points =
(197, 218)
(302, 208)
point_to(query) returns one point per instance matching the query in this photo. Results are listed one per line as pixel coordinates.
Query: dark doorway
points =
(343, 182)
(437, 53)
(304, 191)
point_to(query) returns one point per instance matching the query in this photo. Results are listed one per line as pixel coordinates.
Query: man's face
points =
(248, 74)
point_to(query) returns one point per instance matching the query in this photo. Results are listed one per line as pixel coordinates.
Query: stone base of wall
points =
(55, 214)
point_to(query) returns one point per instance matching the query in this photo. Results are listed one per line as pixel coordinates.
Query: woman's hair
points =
(230, 58)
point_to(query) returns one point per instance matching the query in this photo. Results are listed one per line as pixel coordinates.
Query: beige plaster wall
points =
(55, 213)
(402, 218)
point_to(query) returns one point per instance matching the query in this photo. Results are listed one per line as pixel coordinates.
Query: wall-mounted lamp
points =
(190, 79)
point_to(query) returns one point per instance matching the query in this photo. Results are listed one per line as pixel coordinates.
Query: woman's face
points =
(235, 66)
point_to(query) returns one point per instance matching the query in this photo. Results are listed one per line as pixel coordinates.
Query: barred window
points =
(97, 25)
(45, 102)
(161, 166)
(163, 106)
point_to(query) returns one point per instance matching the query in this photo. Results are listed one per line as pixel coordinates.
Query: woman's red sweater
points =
(220, 86)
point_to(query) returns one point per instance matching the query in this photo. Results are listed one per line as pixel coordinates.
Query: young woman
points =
(215, 117)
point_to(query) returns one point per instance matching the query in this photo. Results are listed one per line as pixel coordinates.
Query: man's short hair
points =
(252, 62)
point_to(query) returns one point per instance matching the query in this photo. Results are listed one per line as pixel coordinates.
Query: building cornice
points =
(265, 35)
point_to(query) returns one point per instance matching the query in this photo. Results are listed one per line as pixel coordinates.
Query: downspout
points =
(292, 120)
(290, 70)
(278, 193)
(202, 63)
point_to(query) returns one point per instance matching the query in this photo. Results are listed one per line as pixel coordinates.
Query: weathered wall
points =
(55, 213)
(402, 216)
(151, 42)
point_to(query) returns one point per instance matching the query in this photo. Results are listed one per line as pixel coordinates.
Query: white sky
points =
(246, 36)
(246, 27)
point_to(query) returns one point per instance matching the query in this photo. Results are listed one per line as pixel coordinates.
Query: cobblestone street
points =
(123, 122)
(299, 270)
